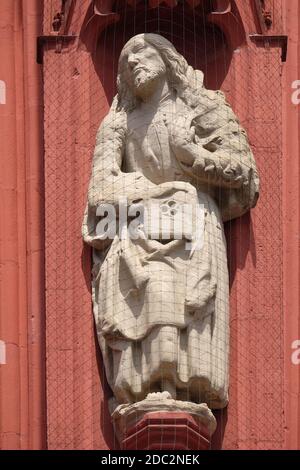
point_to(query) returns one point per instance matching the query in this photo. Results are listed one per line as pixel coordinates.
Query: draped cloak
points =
(161, 309)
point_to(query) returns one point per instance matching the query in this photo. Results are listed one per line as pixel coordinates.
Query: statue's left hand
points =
(181, 129)
(182, 137)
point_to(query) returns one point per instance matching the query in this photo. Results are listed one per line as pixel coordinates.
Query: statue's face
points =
(141, 66)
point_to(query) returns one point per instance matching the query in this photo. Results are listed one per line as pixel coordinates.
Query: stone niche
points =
(206, 32)
(167, 139)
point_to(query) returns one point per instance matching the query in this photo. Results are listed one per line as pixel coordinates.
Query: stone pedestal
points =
(162, 423)
(166, 431)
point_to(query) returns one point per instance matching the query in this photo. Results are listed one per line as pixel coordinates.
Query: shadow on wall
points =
(203, 44)
(218, 436)
(106, 422)
(237, 252)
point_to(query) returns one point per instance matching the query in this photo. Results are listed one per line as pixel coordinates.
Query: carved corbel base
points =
(161, 423)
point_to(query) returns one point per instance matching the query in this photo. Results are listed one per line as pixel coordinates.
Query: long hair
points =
(186, 82)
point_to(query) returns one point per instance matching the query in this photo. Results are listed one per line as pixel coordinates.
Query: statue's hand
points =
(181, 129)
(182, 138)
(223, 171)
(162, 190)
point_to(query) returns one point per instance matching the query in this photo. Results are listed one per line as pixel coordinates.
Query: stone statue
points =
(160, 303)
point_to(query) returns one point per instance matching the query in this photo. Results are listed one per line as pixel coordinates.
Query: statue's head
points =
(144, 61)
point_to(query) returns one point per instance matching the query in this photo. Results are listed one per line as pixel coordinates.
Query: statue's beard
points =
(144, 82)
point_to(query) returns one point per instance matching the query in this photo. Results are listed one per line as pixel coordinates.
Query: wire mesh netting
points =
(79, 85)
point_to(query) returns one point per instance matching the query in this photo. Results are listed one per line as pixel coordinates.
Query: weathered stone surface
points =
(161, 304)
(126, 416)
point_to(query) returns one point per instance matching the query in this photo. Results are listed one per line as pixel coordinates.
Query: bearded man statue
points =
(161, 302)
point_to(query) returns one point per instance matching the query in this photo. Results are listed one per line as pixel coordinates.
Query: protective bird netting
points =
(79, 85)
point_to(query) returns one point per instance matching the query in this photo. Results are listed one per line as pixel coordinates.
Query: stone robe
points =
(161, 309)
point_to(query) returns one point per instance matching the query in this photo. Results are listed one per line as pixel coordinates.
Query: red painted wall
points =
(22, 288)
(263, 249)
(291, 225)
